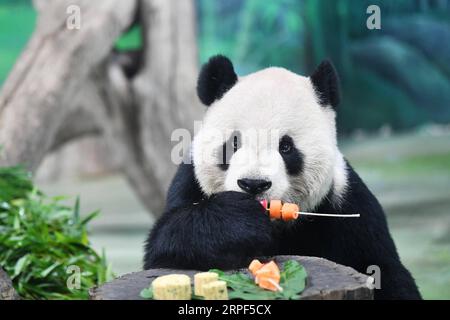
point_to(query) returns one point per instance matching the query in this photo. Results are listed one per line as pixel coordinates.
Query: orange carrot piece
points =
(275, 209)
(254, 266)
(260, 274)
(269, 284)
(269, 269)
(289, 211)
(267, 275)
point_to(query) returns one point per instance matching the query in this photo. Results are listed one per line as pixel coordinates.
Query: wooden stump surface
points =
(326, 280)
(7, 291)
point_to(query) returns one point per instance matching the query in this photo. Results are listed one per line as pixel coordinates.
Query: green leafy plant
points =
(40, 238)
(147, 293)
(242, 286)
(14, 183)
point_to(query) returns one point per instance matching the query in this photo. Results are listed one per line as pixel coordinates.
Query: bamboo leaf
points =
(41, 236)
(47, 271)
(20, 265)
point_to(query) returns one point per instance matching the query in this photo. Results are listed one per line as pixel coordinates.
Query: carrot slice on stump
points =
(260, 274)
(254, 266)
(269, 269)
(267, 275)
(269, 284)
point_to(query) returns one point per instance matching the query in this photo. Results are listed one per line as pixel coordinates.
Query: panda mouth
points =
(260, 197)
(265, 196)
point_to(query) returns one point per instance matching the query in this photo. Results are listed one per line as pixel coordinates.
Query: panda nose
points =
(254, 186)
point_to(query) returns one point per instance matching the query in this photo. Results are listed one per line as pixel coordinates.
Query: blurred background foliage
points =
(398, 76)
(393, 119)
(41, 238)
(17, 20)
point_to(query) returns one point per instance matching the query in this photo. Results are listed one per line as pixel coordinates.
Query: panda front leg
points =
(224, 231)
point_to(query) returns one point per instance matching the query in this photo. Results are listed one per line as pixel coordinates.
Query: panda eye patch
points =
(286, 145)
(292, 156)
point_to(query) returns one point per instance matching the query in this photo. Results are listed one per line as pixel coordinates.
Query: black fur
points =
(357, 243)
(184, 188)
(326, 83)
(216, 78)
(224, 231)
(294, 159)
(229, 229)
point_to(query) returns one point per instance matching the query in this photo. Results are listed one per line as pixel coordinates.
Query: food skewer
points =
(291, 211)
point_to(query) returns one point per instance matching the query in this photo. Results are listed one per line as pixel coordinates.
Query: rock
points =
(326, 280)
(7, 291)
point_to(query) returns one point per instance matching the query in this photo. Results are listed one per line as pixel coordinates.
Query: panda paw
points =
(240, 207)
(243, 229)
(224, 231)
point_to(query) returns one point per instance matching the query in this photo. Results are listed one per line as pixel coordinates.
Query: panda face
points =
(268, 135)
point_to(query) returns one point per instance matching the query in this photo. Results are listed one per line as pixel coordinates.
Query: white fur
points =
(278, 102)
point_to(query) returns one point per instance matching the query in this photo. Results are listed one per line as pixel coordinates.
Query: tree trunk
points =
(70, 83)
(37, 94)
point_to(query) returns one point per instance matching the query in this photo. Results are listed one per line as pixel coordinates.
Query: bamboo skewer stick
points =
(344, 215)
(290, 211)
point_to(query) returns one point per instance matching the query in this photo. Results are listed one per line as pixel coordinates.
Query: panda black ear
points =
(326, 83)
(216, 78)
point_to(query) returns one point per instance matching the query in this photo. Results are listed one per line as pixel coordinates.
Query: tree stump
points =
(326, 280)
(7, 291)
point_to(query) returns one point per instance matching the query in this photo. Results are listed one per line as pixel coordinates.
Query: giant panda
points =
(213, 218)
